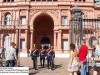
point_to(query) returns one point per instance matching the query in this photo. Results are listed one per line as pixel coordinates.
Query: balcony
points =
(64, 27)
(12, 27)
(7, 27)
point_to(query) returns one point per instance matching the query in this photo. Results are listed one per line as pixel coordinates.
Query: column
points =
(26, 33)
(55, 40)
(31, 41)
(12, 37)
(16, 38)
(1, 39)
(59, 39)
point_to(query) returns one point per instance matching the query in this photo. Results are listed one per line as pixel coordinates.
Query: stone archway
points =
(43, 27)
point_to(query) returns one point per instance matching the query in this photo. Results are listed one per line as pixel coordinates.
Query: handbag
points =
(70, 69)
(78, 72)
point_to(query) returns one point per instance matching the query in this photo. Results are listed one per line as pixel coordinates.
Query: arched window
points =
(4, 0)
(8, 0)
(7, 19)
(98, 22)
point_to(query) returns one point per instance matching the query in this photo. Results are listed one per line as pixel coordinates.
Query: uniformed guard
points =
(50, 58)
(42, 56)
(34, 56)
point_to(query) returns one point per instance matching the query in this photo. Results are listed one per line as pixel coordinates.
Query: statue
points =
(97, 2)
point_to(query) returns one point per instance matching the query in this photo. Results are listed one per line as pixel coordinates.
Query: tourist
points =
(10, 55)
(73, 61)
(82, 57)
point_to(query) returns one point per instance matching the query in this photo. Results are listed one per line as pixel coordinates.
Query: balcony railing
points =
(59, 2)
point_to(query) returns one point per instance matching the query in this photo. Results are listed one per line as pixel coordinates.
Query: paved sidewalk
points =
(61, 67)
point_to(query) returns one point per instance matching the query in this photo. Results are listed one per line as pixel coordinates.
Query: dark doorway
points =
(45, 42)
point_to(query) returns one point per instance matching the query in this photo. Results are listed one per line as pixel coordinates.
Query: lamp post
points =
(76, 26)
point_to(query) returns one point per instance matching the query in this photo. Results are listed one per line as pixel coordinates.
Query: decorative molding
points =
(23, 11)
(54, 12)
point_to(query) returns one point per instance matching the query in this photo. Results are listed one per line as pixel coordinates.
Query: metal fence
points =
(88, 29)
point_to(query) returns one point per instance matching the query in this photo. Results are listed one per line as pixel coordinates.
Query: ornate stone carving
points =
(23, 11)
(4, 12)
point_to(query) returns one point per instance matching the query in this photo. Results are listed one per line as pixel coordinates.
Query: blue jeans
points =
(10, 63)
(83, 69)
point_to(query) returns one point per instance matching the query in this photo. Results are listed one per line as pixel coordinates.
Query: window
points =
(65, 44)
(8, 0)
(22, 43)
(49, 0)
(4, 0)
(43, 0)
(99, 41)
(64, 20)
(75, 0)
(12, 0)
(7, 19)
(54, 0)
(98, 22)
(6, 41)
(23, 20)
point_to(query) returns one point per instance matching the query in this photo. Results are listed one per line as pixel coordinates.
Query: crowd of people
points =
(11, 56)
(78, 64)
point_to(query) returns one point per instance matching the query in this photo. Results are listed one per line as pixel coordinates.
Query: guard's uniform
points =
(34, 55)
(50, 58)
(42, 57)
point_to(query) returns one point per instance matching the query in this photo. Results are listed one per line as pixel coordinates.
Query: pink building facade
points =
(41, 22)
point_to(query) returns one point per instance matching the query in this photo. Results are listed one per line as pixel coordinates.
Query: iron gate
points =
(83, 28)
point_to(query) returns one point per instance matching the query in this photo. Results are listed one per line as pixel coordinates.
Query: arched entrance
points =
(43, 30)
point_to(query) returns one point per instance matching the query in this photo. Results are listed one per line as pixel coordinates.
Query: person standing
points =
(34, 56)
(10, 55)
(50, 58)
(42, 56)
(2, 55)
(82, 57)
(73, 61)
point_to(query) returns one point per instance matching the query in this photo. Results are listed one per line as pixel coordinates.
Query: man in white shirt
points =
(10, 55)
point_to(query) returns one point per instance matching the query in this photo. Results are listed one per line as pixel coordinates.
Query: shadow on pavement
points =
(58, 66)
(33, 73)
